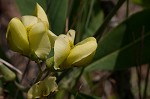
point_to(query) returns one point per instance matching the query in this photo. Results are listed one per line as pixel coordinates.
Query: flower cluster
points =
(30, 36)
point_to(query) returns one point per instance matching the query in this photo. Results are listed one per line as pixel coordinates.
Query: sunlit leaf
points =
(125, 46)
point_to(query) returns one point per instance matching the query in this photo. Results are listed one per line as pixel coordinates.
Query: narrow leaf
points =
(125, 46)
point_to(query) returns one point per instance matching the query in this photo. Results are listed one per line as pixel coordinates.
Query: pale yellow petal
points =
(40, 13)
(28, 21)
(17, 37)
(52, 37)
(43, 88)
(50, 85)
(35, 91)
(83, 51)
(71, 36)
(61, 50)
(89, 39)
(39, 41)
(85, 61)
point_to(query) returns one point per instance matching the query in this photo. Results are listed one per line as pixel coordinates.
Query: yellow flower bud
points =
(39, 41)
(52, 37)
(82, 53)
(40, 13)
(29, 20)
(67, 55)
(29, 37)
(16, 36)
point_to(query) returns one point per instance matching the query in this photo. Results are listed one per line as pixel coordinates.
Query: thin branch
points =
(138, 71)
(20, 87)
(79, 12)
(10, 66)
(77, 79)
(62, 75)
(89, 14)
(40, 72)
(146, 83)
(100, 31)
(139, 60)
(26, 70)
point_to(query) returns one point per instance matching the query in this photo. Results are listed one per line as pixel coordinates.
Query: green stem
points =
(100, 31)
(146, 83)
(39, 66)
(89, 14)
(21, 87)
(63, 74)
(138, 71)
(76, 82)
(38, 77)
(77, 79)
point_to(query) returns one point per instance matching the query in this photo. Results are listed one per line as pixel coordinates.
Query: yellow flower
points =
(30, 35)
(67, 55)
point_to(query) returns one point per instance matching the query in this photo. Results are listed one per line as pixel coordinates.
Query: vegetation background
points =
(120, 68)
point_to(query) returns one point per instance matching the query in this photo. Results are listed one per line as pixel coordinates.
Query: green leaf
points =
(8, 75)
(27, 7)
(57, 12)
(88, 18)
(94, 19)
(125, 46)
(12, 90)
(144, 3)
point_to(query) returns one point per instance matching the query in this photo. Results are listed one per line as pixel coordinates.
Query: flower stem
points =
(63, 74)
